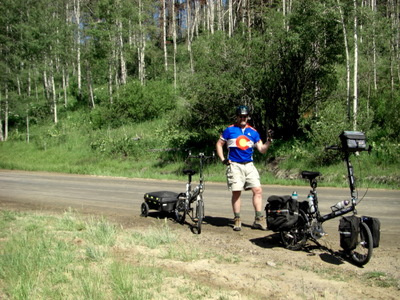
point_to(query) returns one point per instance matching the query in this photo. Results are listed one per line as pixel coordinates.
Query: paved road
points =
(123, 197)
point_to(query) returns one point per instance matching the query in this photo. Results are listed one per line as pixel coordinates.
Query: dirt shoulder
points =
(252, 264)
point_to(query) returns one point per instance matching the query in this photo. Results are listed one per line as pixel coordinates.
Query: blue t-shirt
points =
(240, 142)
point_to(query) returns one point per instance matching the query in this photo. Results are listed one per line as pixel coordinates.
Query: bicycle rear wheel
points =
(363, 252)
(144, 208)
(296, 237)
(199, 215)
(180, 210)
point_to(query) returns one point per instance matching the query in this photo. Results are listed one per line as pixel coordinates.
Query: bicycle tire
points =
(144, 209)
(362, 254)
(180, 211)
(296, 237)
(199, 214)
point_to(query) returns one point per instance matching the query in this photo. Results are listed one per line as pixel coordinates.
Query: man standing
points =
(241, 174)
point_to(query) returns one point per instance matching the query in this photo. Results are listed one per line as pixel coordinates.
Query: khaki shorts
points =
(242, 176)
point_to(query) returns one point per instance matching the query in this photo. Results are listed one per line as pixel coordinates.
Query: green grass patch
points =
(380, 279)
(68, 256)
(146, 150)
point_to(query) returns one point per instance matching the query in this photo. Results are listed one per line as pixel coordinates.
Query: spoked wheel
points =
(296, 237)
(363, 252)
(199, 215)
(180, 211)
(144, 209)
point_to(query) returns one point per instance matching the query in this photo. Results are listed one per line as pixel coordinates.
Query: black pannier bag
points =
(353, 141)
(374, 226)
(349, 228)
(282, 212)
(161, 201)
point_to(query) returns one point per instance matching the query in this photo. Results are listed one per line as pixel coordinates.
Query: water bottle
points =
(311, 206)
(294, 195)
(340, 205)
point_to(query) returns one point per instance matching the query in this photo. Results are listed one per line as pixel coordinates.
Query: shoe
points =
(238, 224)
(260, 223)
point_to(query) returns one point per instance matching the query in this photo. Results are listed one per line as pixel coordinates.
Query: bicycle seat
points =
(310, 175)
(189, 172)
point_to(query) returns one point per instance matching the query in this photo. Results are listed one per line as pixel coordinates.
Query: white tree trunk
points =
(220, 15)
(212, 17)
(64, 84)
(27, 126)
(346, 47)
(121, 53)
(46, 85)
(164, 35)
(355, 87)
(53, 92)
(110, 81)
(141, 47)
(6, 110)
(90, 85)
(1, 123)
(77, 10)
(190, 26)
(373, 6)
(29, 83)
(174, 41)
(230, 18)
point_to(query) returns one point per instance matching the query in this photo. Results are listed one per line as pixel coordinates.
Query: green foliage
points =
(275, 74)
(125, 146)
(135, 103)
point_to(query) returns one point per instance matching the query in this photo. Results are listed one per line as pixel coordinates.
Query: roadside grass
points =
(380, 279)
(69, 256)
(376, 278)
(144, 150)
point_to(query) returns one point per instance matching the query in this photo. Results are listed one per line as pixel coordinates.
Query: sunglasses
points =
(243, 116)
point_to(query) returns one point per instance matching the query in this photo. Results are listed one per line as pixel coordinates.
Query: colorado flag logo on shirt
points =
(242, 142)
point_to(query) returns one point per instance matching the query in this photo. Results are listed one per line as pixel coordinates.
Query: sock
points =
(237, 215)
(259, 214)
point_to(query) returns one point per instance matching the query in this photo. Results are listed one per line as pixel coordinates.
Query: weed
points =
(380, 279)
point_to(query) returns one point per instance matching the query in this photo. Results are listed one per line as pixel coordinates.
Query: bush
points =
(140, 103)
(134, 103)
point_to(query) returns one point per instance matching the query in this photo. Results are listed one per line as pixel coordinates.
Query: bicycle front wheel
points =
(363, 252)
(199, 215)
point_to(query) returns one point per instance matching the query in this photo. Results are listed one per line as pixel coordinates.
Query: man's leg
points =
(236, 210)
(236, 201)
(257, 198)
(259, 222)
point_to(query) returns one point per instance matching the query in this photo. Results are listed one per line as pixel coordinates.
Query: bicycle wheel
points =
(180, 211)
(363, 252)
(199, 214)
(296, 237)
(144, 209)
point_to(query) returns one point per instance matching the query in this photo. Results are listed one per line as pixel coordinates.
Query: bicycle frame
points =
(199, 189)
(343, 211)
(309, 225)
(185, 200)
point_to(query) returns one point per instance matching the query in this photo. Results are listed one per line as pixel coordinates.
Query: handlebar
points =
(333, 147)
(201, 155)
(338, 148)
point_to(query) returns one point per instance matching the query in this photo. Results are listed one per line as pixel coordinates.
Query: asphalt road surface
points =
(122, 197)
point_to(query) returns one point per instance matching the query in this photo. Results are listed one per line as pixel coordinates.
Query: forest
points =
(308, 69)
